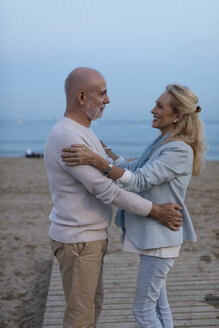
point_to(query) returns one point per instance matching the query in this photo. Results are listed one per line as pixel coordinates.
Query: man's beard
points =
(93, 113)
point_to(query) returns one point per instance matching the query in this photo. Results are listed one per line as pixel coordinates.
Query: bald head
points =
(86, 95)
(80, 79)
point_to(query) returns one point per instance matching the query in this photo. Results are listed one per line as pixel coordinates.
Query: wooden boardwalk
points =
(193, 292)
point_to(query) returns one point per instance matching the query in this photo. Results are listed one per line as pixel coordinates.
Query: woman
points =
(161, 174)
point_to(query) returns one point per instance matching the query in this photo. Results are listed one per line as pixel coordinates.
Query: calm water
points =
(126, 137)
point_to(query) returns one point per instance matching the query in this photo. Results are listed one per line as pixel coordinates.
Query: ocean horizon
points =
(127, 137)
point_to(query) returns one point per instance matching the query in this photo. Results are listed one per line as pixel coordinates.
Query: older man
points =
(82, 197)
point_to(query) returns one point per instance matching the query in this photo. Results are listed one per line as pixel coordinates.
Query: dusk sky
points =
(139, 46)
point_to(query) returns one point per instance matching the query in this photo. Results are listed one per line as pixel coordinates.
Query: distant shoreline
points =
(129, 137)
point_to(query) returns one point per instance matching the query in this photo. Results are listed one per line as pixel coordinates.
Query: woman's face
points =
(164, 117)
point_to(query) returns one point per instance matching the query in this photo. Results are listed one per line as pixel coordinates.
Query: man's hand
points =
(167, 214)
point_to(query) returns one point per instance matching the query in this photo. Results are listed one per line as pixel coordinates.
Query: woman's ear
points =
(179, 117)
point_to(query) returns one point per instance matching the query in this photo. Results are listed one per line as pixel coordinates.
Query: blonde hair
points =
(190, 127)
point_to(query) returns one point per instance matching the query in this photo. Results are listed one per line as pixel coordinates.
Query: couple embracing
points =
(86, 178)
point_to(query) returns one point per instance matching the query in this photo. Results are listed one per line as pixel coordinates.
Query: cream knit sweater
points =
(81, 195)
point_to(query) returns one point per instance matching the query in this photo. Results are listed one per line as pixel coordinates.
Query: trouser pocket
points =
(56, 246)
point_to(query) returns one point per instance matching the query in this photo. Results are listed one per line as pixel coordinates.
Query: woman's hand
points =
(82, 155)
(78, 155)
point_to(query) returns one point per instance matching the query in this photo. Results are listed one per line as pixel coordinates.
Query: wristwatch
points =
(107, 170)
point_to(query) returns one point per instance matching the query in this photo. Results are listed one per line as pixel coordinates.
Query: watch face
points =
(106, 172)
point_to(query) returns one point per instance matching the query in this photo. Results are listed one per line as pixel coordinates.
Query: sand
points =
(25, 252)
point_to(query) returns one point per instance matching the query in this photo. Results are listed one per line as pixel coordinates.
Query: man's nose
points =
(107, 99)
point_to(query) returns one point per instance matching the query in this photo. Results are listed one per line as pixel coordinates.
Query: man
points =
(82, 196)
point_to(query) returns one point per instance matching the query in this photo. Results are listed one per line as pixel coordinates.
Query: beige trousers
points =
(81, 267)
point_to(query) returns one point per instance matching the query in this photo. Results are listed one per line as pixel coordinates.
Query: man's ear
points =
(81, 97)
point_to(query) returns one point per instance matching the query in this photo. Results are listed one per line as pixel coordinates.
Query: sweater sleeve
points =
(100, 186)
(176, 158)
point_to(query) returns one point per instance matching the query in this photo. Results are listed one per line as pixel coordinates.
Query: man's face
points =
(97, 99)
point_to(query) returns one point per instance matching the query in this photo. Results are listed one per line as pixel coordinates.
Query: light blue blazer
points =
(162, 179)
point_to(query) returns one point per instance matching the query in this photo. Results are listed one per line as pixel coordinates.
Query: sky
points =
(139, 46)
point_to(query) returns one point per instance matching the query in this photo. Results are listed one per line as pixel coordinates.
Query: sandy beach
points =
(25, 252)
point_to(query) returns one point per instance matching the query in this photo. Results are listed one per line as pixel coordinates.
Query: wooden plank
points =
(125, 320)
(127, 307)
(125, 297)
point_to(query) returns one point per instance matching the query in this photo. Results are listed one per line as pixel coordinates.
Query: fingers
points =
(68, 152)
(74, 156)
(177, 207)
(177, 215)
(68, 155)
(174, 228)
(70, 159)
(177, 221)
(70, 162)
(173, 206)
(171, 225)
(72, 149)
(174, 225)
(173, 222)
(171, 216)
(176, 210)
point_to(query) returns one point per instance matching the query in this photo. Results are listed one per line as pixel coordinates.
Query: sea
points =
(126, 137)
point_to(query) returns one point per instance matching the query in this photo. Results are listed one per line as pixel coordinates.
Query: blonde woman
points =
(161, 174)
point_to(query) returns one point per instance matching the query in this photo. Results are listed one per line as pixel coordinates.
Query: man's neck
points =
(78, 118)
